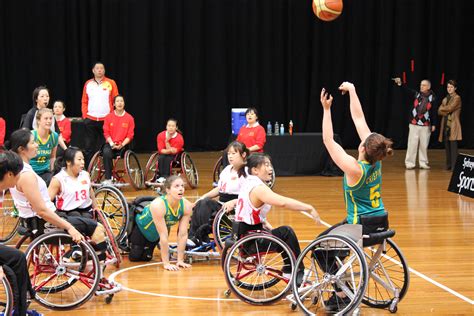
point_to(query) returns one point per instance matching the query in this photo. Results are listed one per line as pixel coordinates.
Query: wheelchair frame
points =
(132, 169)
(181, 160)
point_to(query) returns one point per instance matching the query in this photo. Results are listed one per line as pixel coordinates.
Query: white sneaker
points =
(107, 182)
(161, 180)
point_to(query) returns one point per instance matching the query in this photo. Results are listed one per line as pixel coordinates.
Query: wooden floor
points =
(435, 230)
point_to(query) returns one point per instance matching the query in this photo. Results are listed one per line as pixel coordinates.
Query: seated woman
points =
(362, 176)
(153, 225)
(228, 189)
(119, 129)
(64, 124)
(71, 186)
(253, 134)
(256, 199)
(170, 143)
(33, 202)
(10, 167)
(47, 141)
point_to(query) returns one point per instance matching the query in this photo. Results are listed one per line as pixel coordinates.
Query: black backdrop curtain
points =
(196, 59)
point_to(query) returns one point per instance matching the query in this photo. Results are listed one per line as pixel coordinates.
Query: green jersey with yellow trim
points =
(41, 163)
(145, 222)
(364, 197)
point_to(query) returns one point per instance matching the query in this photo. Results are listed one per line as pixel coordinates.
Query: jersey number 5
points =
(375, 196)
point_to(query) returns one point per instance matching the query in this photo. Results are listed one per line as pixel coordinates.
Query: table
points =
(300, 154)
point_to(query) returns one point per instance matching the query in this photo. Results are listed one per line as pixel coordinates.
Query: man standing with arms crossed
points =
(97, 103)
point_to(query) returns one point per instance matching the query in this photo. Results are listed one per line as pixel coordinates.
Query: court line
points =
(113, 275)
(419, 274)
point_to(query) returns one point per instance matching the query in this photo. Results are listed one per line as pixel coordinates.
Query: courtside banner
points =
(462, 180)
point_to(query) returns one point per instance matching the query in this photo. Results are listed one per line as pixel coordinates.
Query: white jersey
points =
(21, 203)
(245, 211)
(229, 181)
(75, 192)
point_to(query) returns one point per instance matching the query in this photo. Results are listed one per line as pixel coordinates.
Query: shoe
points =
(161, 180)
(107, 182)
(190, 243)
(336, 303)
(410, 168)
(426, 167)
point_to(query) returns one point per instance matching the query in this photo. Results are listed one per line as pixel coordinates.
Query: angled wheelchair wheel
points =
(115, 207)
(6, 297)
(134, 170)
(218, 167)
(258, 268)
(64, 274)
(9, 219)
(222, 227)
(389, 275)
(189, 170)
(96, 169)
(151, 169)
(271, 183)
(113, 252)
(330, 262)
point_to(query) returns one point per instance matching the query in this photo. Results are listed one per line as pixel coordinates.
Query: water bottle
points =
(290, 127)
(277, 129)
(282, 129)
(269, 128)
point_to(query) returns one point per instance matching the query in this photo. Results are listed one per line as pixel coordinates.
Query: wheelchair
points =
(115, 209)
(376, 274)
(255, 268)
(219, 166)
(6, 296)
(8, 219)
(64, 274)
(131, 172)
(182, 164)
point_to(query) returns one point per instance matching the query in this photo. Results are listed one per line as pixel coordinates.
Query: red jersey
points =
(65, 127)
(252, 136)
(119, 127)
(2, 131)
(176, 141)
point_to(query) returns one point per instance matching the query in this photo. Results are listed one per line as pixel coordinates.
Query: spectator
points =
(170, 143)
(64, 124)
(97, 102)
(2, 131)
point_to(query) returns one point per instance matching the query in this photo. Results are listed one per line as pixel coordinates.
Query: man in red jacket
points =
(97, 103)
(119, 129)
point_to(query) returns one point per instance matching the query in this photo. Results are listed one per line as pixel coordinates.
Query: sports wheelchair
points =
(115, 208)
(369, 269)
(65, 274)
(258, 268)
(182, 164)
(219, 166)
(6, 295)
(8, 219)
(131, 172)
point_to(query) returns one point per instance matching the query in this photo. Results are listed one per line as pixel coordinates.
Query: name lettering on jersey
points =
(373, 176)
(44, 152)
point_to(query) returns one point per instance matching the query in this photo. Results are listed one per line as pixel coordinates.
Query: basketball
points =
(327, 10)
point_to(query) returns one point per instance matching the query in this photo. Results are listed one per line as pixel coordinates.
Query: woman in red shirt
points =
(119, 129)
(64, 124)
(253, 134)
(2, 131)
(170, 143)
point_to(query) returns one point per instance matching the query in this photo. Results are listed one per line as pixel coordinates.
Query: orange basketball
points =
(327, 10)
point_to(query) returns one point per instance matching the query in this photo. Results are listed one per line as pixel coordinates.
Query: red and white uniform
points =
(245, 211)
(21, 203)
(64, 125)
(229, 181)
(97, 98)
(75, 192)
